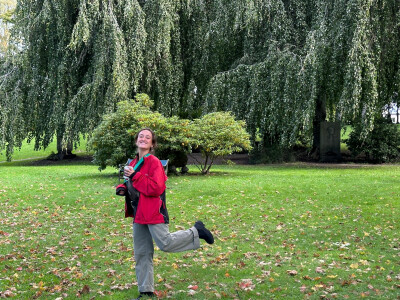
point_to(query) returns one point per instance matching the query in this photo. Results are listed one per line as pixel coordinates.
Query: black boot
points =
(144, 294)
(204, 233)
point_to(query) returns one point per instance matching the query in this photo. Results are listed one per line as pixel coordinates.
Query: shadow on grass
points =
(198, 174)
(40, 162)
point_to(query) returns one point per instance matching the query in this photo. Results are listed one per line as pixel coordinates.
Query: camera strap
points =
(140, 162)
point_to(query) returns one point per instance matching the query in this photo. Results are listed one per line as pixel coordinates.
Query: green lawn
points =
(27, 151)
(345, 133)
(282, 232)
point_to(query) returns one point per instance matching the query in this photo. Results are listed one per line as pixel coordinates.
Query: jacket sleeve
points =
(120, 187)
(153, 183)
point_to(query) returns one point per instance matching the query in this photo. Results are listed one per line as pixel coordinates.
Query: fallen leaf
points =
(175, 266)
(247, 285)
(161, 294)
(292, 272)
(354, 266)
(83, 291)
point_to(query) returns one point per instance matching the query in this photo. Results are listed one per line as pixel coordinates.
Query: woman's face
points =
(144, 140)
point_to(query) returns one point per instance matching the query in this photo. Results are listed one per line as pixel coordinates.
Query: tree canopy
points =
(337, 58)
(214, 135)
(281, 65)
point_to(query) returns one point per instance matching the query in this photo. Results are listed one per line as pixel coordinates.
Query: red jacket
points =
(150, 183)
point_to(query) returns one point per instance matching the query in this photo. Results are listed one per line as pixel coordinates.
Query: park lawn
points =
(27, 151)
(282, 232)
(344, 135)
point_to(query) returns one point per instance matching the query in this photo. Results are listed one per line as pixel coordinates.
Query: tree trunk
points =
(204, 168)
(64, 153)
(320, 116)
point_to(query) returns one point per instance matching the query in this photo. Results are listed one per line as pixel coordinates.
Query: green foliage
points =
(382, 144)
(274, 64)
(74, 61)
(298, 53)
(216, 135)
(113, 140)
(274, 153)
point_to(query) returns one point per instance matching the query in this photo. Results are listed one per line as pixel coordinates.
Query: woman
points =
(144, 191)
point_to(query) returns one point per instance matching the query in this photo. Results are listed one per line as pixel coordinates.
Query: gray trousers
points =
(143, 236)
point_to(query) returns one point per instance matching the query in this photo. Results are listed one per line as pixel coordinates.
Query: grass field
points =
(27, 151)
(282, 232)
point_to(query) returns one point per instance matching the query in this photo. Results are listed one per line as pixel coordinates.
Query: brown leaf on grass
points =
(161, 294)
(345, 283)
(246, 285)
(274, 290)
(292, 272)
(111, 273)
(303, 288)
(121, 287)
(37, 294)
(193, 287)
(7, 294)
(319, 270)
(83, 291)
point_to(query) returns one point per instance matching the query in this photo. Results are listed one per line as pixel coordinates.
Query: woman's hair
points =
(153, 138)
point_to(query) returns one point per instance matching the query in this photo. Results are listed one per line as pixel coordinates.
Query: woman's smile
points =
(144, 140)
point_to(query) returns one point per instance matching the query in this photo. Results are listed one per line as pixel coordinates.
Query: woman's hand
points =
(128, 170)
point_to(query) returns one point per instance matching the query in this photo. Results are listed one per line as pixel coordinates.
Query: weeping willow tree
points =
(305, 62)
(284, 66)
(75, 60)
(6, 109)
